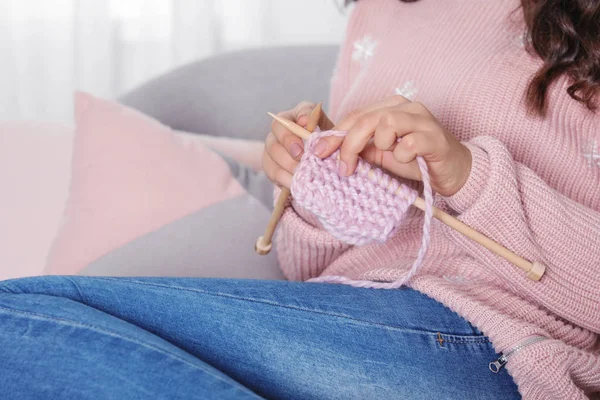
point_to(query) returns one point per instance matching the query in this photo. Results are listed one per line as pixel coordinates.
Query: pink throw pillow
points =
(130, 176)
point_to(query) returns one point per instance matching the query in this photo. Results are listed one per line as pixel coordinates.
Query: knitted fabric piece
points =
(366, 206)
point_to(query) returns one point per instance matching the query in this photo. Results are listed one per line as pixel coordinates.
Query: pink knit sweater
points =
(534, 186)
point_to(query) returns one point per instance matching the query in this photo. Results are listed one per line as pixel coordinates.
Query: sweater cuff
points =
(469, 193)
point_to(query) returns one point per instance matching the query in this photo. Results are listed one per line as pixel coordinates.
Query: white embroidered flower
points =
(591, 152)
(364, 49)
(408, 90)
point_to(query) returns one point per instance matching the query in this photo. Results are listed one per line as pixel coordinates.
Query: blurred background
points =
(49, 48)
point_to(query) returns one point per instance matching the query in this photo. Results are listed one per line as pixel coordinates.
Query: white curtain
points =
(49, 48)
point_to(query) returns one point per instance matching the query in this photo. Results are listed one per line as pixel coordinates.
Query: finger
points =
(355, 142)
(395, 123)
(385, 137)
(326, 146)
(301, 112)
(304, 112)
(385, 160)
(275, 173)
(292, 143)
(331, 144)
(350, 120)
(415, 108)
(279, 155)
(413, 145)
(322, 146)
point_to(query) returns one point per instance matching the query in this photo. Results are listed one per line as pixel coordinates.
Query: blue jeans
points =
(181, 338)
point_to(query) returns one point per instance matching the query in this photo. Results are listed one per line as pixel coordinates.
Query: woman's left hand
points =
(448, 160)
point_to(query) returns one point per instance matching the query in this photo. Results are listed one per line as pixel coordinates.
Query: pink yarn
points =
(358, 209)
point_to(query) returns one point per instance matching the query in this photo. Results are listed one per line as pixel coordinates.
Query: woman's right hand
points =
(283, 149)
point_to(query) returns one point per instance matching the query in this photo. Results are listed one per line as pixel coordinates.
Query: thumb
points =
(327, 145)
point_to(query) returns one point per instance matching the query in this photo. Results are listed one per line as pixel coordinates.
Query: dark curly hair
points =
(565, 34)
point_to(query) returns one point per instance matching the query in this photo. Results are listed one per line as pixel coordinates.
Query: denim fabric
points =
(176, 338)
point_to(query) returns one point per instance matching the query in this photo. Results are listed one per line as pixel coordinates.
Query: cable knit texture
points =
(534, 186)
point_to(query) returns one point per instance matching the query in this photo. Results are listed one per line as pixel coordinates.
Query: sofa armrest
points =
(229, 95)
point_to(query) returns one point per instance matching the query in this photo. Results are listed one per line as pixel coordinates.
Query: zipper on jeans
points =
(496, 366)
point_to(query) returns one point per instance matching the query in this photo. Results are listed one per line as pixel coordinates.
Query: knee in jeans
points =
(30, 285)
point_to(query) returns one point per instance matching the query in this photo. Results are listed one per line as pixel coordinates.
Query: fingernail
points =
(295, 150)
(342, 168)
(320, 147)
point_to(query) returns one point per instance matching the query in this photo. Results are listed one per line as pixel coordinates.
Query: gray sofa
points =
(229, 95)
(223, 96)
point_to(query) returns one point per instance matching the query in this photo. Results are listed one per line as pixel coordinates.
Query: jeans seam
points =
(480, 339)
(83, 298)
(459, 339)
(109, 332)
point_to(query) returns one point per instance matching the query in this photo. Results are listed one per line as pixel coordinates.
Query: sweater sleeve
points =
(509, 203)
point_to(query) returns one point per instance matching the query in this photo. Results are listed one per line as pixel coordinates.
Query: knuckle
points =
(269, 140)
(363, 123)
(287, 140)
(335, 141)
(304, 105)
(289, 137)
(383, 140)
(387, 119)
(332, 143)
(414, 121)
(275, 125)
(354, 114)
(267, 166)
(278, 153)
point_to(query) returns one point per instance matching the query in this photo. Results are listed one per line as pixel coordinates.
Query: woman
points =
(500, 101)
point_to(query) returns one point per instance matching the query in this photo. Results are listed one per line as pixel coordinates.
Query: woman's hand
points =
(373, 133)
(283, 149)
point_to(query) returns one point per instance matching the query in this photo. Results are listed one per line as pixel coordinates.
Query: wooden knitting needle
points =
(534, 270)
(263, 243)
